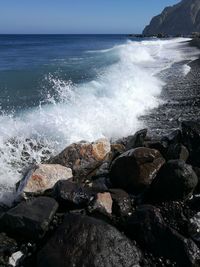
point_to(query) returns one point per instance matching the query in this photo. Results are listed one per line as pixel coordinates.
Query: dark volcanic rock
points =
(121, 203)
(135, 169)
(71, 194)
(100, 185)
(194, 228)
(137, 140)
(7, 247)
(182, 18)
(148, 228)
(175, 180)
(84, 241)
(170, 146)
(30, 219)
(191, 139)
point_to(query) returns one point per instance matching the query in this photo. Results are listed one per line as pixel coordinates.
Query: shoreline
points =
(180, 95)
(139, 190)
(131, 202)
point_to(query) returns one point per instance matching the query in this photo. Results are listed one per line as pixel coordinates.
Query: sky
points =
(78, 16)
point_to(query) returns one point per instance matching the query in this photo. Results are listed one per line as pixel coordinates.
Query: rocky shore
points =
(134, 202)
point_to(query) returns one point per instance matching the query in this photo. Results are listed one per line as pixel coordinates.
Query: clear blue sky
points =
(78, 16)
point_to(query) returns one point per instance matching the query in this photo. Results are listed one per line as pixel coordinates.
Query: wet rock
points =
(135, 169)
(174, 137)
(194, 228)
(102, 203)
(176, 151)
(122, 206)
(101, 171)
(137, 140)
(191, 139)
(7, 247)
(170, 146)
(148, 228)
(30, 219)
(83, 157)
(175, 180)
(197, 171)
(100, 185)
(85, 241)
(71, 195)
(43, 177)
(117, 149)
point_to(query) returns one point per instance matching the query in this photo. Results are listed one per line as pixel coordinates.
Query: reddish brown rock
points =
(83, 157)
(43, 177)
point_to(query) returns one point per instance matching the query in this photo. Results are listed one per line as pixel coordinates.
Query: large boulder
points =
(148, 228)
(85, 241)
(176, 180)
(83, 157)
(30, 219)
(135, 169)
(191, 139)
(41, 178)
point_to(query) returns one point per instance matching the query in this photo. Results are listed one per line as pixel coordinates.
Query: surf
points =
(109, 106)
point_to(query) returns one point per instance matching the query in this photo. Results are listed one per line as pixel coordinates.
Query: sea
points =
(60, 89)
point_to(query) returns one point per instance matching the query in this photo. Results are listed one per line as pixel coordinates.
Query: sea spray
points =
(108, 106)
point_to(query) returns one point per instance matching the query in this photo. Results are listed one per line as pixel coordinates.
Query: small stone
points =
(102, 203)
(15, 257)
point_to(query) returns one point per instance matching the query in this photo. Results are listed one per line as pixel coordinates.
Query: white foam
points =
(186, 69)
(108, 106)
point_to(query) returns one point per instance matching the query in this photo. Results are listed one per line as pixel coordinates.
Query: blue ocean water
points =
(27, 61)
(59, 89)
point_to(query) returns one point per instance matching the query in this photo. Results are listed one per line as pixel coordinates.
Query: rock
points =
(30, 219)
(85, 241)
(176, 151)
(101, 171)
(7, 247)
(137, 140)
(194, 228)
(135, 169)
(121, 203)
(148, 228)
(102, 203)
(83, 157)
(117, 149)
(197, 171)
(99, 185)
(191, 139)
(179, 19)
(175, 180)
(170, 146)
(71, 195)
(174, 137)
(42, 177)
(15, 257)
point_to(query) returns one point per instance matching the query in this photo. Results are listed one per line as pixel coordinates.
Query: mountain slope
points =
(182, 18)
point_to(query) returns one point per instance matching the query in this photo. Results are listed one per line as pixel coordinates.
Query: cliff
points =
(182, 18)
